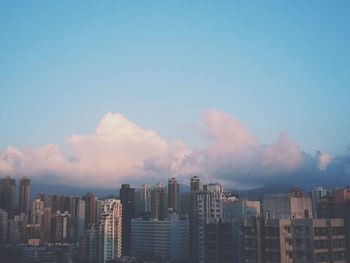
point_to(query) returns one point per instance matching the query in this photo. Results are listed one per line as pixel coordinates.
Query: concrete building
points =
(24, 196)
(161, 240)
(293, 205)
(304, 240)
(7, 195)
(206, 207)
(143, 200)
(159, 202)
(338, 206)
(244, 218)
(46, 227)
(78, 218)
(109, 240)
(16, 227)
(90, 210)
(88, 246)
(174, 195)
(127, 199)
(317, 196)
(61, 227)
(37, 212)
(3, 226)
(32, 231)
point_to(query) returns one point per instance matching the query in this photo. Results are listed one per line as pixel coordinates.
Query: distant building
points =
(32, 231)
(3, 226)
(206, 207)
(109, 241)
(304, 240)
(24, 195)
(127, 199)
(7, 195)
(16, 228)
(78, 217)
(293, 205)
(61, 227)
(90, 210)
(88, 246)
(46, 227)
(317, 196)
(196, 184)
(37, 212)
(242, 219)
(174, 195)
(159, 202)
(161, 240)
(143, 200)
(338, 206)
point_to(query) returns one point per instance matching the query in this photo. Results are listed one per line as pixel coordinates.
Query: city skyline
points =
(245, 94)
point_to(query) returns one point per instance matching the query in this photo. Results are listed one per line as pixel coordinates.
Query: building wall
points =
(160, 239)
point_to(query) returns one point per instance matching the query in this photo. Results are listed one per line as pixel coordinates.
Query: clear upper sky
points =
(275, 65)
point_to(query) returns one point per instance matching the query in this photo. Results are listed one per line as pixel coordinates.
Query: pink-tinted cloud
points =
(119, 151)
(324, 160)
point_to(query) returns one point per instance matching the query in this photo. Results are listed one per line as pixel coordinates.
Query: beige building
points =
(304, 240)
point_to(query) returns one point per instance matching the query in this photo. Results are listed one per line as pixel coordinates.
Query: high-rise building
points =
(3, 226)
(303, 240)
(90, 210)
(241, 218)
(159, 202)
(88, 246)
(196, 184)
(16, 227)
(78, 217)
(206, 207)
(61, 226)
(37, 212)
(338, 206)
(127, 199)
(317, 196)
(109, 241)
(46, 227)
(24, 195)
(173, 195)
(7, 196)
(143, 200)
(293, 205)
(161, 240)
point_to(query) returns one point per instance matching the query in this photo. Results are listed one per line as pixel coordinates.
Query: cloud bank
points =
(120, 151)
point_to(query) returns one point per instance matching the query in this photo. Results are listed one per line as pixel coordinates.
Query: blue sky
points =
(275, 65)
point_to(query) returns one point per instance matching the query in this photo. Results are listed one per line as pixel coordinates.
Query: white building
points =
(206, 207)
(110, 231)
(160, 239)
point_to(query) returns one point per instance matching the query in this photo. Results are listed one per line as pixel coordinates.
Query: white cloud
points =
(324, 160)
(120, 151)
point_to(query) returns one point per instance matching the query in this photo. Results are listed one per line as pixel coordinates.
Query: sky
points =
(277, 72)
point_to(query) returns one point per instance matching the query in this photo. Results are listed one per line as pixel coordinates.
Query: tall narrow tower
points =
(159, 202)
(109, 231)
(7, 197)
(127, 198)
(174, 195)
(24, 195)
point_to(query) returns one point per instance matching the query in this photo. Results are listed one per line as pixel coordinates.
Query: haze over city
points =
(246, 94)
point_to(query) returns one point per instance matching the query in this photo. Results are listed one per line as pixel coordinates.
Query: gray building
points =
(160, 240)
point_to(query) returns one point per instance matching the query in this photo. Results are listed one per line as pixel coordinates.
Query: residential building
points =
(127, 199)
